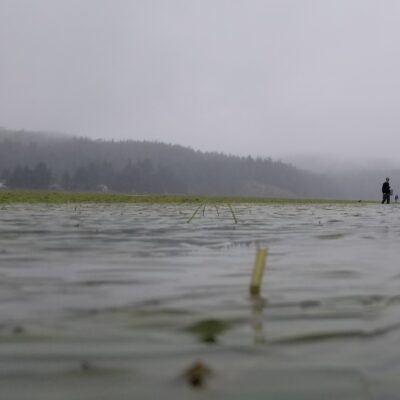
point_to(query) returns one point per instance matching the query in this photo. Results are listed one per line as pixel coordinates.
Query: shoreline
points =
(61, 197)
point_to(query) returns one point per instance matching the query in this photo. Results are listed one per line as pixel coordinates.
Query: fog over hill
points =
(357, 176)
(143, 167)
(243, 77)
(333, 164)
(74, 163)
(23, 136)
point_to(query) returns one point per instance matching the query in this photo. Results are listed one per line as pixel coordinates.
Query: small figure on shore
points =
(396, 198)
(386, 191)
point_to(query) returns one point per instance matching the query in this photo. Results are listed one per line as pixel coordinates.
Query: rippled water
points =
(119, 301)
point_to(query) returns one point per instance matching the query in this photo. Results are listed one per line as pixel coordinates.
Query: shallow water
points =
(119, 301)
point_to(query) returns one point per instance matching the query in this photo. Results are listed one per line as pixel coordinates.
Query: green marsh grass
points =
(59, 197)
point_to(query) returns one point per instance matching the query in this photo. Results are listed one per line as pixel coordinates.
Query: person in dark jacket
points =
(386, 191)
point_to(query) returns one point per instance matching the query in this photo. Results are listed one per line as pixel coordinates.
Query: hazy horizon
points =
(263, 78)
(314, 162)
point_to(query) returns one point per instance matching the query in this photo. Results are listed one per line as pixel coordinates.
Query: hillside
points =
(147, 167)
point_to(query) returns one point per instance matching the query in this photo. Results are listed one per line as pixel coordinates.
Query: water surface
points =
(120, 301)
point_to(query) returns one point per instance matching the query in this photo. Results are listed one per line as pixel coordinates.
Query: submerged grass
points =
(59, 197)
(207, 331)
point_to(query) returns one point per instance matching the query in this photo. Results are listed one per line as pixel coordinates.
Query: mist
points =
(265, 78)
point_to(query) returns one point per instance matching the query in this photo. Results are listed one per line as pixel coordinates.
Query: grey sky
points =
(247, 77)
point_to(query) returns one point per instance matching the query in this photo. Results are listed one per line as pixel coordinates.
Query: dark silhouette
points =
(396, 198)
(386, 192)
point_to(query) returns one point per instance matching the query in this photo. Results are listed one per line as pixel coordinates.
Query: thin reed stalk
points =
(233, 214)
(258, 272)
(197, 209)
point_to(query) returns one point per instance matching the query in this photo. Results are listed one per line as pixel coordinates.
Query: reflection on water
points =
(120, 301)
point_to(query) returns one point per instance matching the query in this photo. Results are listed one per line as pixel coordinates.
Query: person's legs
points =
(386, 198)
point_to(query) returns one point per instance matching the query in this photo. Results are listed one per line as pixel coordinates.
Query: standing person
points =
(386, 191)
(396, 198)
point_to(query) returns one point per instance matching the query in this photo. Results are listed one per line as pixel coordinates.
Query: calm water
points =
(119, 301)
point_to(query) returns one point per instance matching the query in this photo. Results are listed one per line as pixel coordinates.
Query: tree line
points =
(32, 160)
(140, 177)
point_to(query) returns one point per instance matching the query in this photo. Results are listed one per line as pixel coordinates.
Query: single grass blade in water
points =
(233, 214)
(197, 209)
(258, 272)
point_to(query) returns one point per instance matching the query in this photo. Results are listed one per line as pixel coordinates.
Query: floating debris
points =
(197, 374)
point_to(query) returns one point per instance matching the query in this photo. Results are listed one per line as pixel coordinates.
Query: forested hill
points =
(34, 160)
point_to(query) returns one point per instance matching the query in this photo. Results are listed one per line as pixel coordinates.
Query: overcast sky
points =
(257, 77)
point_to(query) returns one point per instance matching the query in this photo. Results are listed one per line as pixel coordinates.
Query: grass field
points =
(58, 197)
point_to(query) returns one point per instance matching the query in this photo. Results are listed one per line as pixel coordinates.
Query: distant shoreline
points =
(61, 197)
